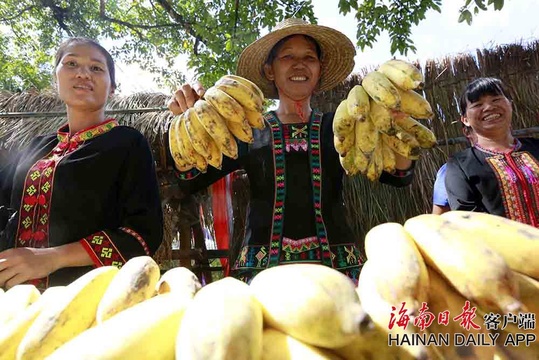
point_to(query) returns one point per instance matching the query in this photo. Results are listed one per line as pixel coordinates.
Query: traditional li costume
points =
(504, 184)
(97, 187)
(296, 212)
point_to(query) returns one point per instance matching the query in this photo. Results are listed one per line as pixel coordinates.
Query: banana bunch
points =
(379, 119)
(204, 133)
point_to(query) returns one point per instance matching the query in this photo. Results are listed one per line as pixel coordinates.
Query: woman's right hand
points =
(185, 97)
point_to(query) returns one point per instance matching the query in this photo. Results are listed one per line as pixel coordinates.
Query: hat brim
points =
(337, 56)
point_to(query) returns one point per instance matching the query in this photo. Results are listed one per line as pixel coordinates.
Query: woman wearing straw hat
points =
(296, 211)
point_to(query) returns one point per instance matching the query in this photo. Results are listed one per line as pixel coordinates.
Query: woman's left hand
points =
(22, 264)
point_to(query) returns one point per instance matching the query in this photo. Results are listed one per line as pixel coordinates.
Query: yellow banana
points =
(529, 293)
(403, 74)
(241, 93)
(202, 142)
(64, 319)
(279, 346)
(415, 105)
(224, 321)
(134, 283)
(349, 161)
(464, 259)
(389, 161)
(176, 147)
(358, 102)
(146, 330)
(324, 311)
(247, 83)
(376, 164)
(225, 104)
(16, 300)
(401, 274)
(255, 119)
(520, 252)
(425, 138)
(179, 281)
(192, 155)
(400, 147)
(443, 298)
(344, 144)
(366, 136)
(215, 125)
(343, 122)
(11, 334)
(241, 130)
(381, 90)
(379, 313)
(381, 117)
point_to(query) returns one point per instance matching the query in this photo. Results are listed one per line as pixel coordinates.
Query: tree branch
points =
(59, 13)
(178, 18)
(28, 8)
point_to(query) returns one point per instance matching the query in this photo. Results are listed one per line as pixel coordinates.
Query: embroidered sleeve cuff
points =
(102, 250)
(403, 173)
(187, 175)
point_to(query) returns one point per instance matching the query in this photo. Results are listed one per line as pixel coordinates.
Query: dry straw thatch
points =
(368, 203)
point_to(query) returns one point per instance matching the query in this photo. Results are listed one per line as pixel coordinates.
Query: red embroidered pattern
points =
(518, 175)
(139, 238)
(102, 250)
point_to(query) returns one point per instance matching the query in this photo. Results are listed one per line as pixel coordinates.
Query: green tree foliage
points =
(153, 33)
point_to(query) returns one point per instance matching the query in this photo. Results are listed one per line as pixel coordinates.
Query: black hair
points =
(85, 41)
(275, 49)
(480, 87)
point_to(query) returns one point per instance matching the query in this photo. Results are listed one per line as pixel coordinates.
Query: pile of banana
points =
(299, 311)
(204, 133)
(378, 119)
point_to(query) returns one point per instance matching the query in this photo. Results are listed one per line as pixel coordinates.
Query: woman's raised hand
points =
(185, 97)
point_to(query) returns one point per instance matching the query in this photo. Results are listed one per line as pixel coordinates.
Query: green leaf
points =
(480, 4)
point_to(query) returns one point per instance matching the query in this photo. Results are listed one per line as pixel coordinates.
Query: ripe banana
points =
(16, 300)
(354, 162)
(202, 142)
(245, 82)
(442, 297)
(189, 151)
(366, 136)
(174, 142)
(279, 346)
(425, 138)
(242, 94)
(376, 164)
(516, 242)
(241, 130)
(401, 274)
(11, 334)
(343, 122)
(358, 102)
(403, 74)
(224, 321)
(379, 313)
(179, 281)
(134, 283)
(381, 117)
(389, 161)
(529, 293)
(255, 119)
(400, 147)
(64, 319)
(381, 90)
(225, 105)
(144, 331)
(216, 126)
(415, 105)
(344, 144)
(464, 259)
(324, 311)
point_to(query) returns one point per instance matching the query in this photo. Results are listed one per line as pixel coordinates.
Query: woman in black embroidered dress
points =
(499, 174)
(85, 196)
(296, 211)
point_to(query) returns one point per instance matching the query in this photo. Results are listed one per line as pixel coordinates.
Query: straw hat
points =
(337, 54)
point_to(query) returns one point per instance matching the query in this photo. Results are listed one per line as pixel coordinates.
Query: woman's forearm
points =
(69, 255)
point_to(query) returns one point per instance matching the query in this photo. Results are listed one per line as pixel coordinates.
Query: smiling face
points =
(83, 77)
(295, 69)
(490, 114)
